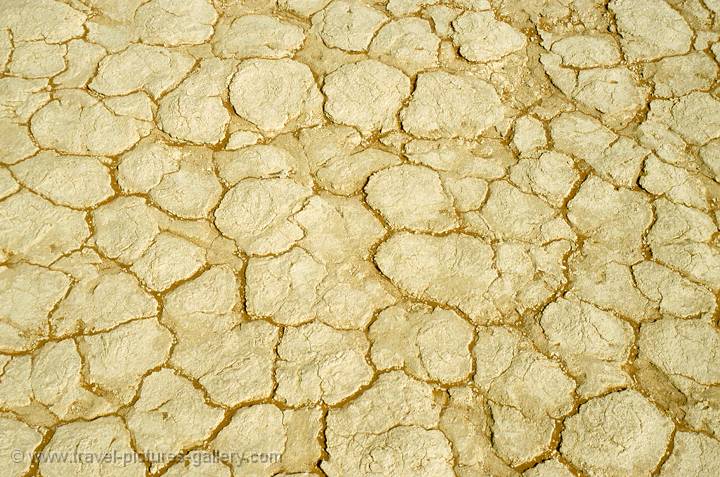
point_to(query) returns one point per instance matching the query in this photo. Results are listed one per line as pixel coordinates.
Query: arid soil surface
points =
(358, 238)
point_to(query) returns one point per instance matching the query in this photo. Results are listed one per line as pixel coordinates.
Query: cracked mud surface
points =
(359, 238)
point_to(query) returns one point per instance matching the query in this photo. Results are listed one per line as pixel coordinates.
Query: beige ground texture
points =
(358, 238)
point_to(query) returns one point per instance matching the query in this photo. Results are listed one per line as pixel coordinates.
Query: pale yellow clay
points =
(355, 238)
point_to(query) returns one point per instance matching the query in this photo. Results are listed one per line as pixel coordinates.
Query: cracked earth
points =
(359, 238)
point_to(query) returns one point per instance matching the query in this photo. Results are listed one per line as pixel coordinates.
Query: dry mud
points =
(359, 238)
